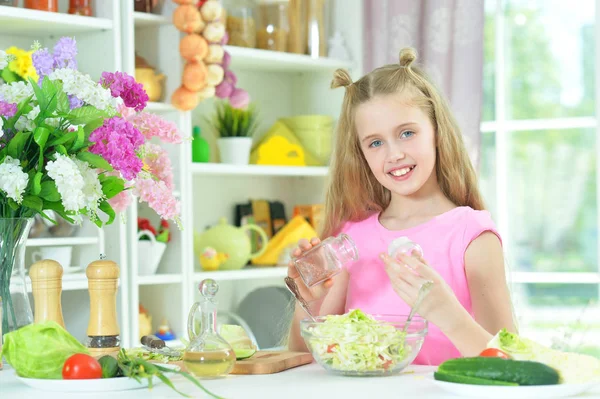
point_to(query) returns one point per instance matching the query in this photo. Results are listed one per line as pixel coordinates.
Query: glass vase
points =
(16, 309)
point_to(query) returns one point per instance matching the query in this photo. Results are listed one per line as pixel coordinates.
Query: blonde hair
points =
(353, 192)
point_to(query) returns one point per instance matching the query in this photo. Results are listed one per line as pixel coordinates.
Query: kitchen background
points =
(527, 107)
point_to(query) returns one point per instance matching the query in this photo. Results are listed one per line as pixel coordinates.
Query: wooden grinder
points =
(103, 328)
(46, 283)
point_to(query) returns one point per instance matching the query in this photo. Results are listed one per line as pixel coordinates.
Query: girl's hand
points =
(309, 294)
(440, 306)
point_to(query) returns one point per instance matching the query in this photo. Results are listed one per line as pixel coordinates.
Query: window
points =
(540, 164)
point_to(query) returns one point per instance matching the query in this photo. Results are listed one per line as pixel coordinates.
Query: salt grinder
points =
(103, 328)
(46, 284)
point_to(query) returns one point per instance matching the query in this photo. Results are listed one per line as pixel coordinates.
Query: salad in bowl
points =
(359, 344)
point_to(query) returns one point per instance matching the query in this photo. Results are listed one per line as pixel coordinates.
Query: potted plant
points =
(234, 128)
(151, 245)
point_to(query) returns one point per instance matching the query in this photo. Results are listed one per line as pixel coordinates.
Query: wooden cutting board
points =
(269, 362)
(266, 362)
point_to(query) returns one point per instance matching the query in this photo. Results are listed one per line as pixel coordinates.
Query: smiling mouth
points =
(402, 172)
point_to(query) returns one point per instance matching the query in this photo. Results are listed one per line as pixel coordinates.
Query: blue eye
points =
(375, 143)
(407, 134)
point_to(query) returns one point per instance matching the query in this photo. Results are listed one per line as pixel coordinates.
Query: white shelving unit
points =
(281, 84)
(99, 44)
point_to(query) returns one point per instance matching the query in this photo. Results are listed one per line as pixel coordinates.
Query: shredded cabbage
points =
(357, 342)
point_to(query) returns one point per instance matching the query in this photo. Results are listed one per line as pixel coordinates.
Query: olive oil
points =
(209, 364)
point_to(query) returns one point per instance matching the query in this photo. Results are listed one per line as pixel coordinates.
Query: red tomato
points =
(493, 352)
(331, 347)
(81, 367)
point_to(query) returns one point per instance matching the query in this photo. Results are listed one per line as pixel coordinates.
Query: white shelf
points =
(159, 107)
(158, 279)
(46, 242)
(144, 19)
(266, 60)
(553, 277)
(256, 170)
(19, 21)
(243, 274)
(70, 282)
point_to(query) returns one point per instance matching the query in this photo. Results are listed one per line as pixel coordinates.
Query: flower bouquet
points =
(78, 147)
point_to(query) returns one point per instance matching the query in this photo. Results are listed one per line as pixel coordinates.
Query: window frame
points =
(502, 127)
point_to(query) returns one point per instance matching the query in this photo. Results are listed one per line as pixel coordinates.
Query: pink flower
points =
(239, 98)
(116, 141)
(124, 86)
(158, 163)
(121, 201)
(158, 196)
(151, 125)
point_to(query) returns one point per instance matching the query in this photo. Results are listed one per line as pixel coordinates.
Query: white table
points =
(305, 382)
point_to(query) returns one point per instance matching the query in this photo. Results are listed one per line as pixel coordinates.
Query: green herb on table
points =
(137, 368)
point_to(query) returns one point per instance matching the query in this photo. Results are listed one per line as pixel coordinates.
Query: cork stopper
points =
(46, 286)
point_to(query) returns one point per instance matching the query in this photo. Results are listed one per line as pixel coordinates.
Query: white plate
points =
(95, 385)
(520, 392)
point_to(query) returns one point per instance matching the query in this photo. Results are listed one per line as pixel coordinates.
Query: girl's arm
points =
(333, 303)
(490, 298)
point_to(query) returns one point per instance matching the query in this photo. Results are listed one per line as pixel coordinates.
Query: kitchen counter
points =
(305, 382)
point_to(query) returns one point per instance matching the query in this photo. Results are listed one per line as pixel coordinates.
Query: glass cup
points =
(403, 245)
(326, 259)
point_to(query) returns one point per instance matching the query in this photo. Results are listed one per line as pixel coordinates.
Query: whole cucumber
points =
(493, 368)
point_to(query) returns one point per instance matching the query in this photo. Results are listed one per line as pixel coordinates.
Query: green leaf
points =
(50, 92)
(94, 160)
(16, 146)
(106, 208)
(80, 140)
(13, 205)
(63, 139)
(61, 149)
(37, 183)
(58, 208)
(49, 192)
(9, 76)
(33, 202)
(40, 136)
(93, 125)
(39, 95)
(112, 185)
(85, 115)
(62, 100)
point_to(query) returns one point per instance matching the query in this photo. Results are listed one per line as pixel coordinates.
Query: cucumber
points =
(110, 366)
(521, 372)
(469, 380)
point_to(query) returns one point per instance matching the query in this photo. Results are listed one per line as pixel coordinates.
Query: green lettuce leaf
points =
(40, 350)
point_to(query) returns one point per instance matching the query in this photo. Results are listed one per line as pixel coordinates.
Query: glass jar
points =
(241, 23)
(326, 259)
(298, 35)
(80, 7)
(42, 5)
(274, 28)
(317, 28)
(403, 245)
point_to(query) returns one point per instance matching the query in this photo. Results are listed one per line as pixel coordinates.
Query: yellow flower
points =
(23, 64)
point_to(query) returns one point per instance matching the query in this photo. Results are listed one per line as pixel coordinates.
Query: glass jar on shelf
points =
(298, 35)
(81, 7)
(274, 27)
(241, 22)
(42, 5)
(318, 15)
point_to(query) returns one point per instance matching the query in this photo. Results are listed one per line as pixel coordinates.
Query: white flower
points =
(15, 92)
(3, 60)
(77, 184)
(82, 86)
(13, 180)
(1, 123)
(26, 122)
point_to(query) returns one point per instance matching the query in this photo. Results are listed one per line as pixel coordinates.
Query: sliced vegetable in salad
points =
(357, 342)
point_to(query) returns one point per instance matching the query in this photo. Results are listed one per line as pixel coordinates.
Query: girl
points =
(400, 168)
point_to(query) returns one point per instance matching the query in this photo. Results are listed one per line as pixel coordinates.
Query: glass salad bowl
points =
(358, 344)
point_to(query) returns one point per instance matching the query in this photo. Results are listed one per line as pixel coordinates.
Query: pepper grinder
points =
(103, 329)
(46, 284)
